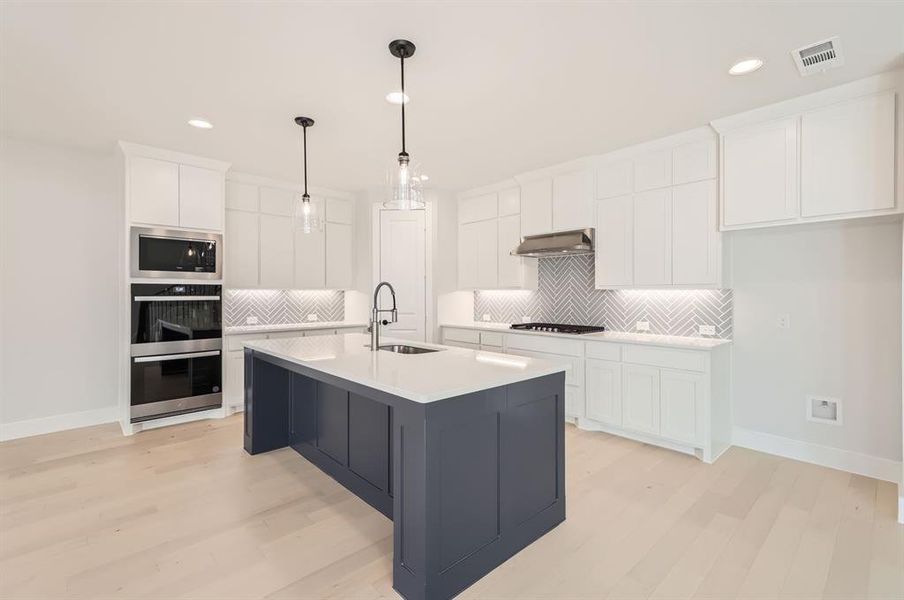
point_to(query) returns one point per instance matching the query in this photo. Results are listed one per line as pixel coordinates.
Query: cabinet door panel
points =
(477, 208)
(653, 238)
(653, 170)
(615, 179)
(695, 234)
(201, 198)
(640, 398)
(276, 252)
(695, 162)
(332, 422)
(310, 257)
(572, 201)
(848, 157)
(760, 173)
(536, 207)
(234, 390)
(614, 257)
(278, 201)
(487, 254)
(681, 405)
(153, 191)
(242, 249)
(509, 202)
(604, 391)
(368, 442)
(339, 256)
(468, 256)
(242, 196)
(510, 267)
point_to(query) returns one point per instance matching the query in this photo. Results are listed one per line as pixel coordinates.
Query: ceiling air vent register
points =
(819, 57)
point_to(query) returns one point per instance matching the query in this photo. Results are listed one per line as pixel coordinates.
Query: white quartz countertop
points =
(419, 377)
(649, 339)
(240, 329)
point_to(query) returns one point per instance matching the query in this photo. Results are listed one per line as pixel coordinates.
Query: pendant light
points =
(404, 180)
(306, 217)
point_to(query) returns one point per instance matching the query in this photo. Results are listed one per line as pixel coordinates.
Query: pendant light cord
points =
(304, 152)
(402, 59)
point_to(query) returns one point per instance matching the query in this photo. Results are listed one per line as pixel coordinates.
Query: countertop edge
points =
(248, 329)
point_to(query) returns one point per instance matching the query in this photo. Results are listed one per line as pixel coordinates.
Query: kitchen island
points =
(462, 449)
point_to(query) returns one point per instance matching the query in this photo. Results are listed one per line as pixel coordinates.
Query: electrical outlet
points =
(487, 317)
(252, 320)
(312, 317)
(822, 409)
(643, 326)
(707, 329)
(784, 321)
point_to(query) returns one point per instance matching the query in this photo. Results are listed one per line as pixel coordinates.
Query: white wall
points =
(841, 285)
(59, 257)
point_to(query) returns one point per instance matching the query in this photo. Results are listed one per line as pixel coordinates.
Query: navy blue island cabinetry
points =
(468, 479)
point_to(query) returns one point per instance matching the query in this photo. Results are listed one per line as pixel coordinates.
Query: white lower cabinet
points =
(604, 394)
(640, 399)
(681, 405)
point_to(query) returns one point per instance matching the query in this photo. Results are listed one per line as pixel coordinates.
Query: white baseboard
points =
(826, 456)
(30, 427)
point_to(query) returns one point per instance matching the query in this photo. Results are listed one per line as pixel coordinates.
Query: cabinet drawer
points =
(277, 335)
(469, 336)
(312, 332)
(457, 344)
(234, 343)
(551, 345)
(686, 360)
(491, 338)
(603, 351)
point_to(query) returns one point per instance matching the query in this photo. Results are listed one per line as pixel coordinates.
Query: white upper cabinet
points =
(695, 161)
(653, 238)
(653, 170)
(847, 157)
(615, 178)
(477, 208)
(696, 242)
(760, 173)
(822, 157)
(310, 263)
(478, 257)
(242, 196)
(276, 253)
(242, 249)
(572, 201)
(510, 267)
(536, 207)
(468, 257)
(153, 191)
(171, 189)
(201, 198)
(339, 257)
(614, 256)
(279, 201)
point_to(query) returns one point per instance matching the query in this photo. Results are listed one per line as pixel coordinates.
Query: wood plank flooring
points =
(183, 512)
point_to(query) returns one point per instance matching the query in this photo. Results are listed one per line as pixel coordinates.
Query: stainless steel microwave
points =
(158, 253)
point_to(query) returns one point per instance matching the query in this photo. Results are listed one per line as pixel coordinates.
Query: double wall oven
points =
(176, 327)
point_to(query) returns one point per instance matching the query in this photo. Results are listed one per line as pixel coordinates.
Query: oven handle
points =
(144, 359)
(173, 298)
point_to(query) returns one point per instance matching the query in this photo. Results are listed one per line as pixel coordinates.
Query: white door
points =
(276, 252)
(653, 238)
(572, 201)
(760, 170)
(153, 191)
(403, 264)
(339, 259)
(536, 207)
(640, 398)
(201, 198)
(510, 267)
(614, 257)
(604, 391)
(848, 157)
(681, 406)
(695, 233)
(242, 250)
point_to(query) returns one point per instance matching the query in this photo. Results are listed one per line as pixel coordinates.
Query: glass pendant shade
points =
(405, 185)
(307, 218)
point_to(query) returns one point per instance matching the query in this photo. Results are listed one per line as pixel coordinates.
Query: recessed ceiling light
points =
(200, 123)
(745, 66)
(397, 98)
(424, 178)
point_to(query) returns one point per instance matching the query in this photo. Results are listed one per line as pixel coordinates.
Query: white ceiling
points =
(497, 88)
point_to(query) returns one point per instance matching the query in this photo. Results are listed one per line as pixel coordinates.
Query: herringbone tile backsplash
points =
(273, 307)
(565, 294)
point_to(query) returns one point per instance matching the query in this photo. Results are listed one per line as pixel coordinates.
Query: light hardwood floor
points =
(183, 512)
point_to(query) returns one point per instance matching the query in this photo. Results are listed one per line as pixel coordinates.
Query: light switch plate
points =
(707, 330)
(251, 320)
(487, 317)
(312, 317)
(784, 321)
(643, 326)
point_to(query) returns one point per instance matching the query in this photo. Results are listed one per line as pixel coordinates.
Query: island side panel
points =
(481, 481)
(267, 391)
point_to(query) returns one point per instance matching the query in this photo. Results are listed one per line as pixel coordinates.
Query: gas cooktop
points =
(558, 328)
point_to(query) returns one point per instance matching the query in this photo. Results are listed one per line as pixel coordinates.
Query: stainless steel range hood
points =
(562, 243)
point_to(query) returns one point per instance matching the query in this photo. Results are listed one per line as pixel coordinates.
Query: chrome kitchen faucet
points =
(375, 320)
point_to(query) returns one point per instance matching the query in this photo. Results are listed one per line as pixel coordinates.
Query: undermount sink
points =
(403, 349)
